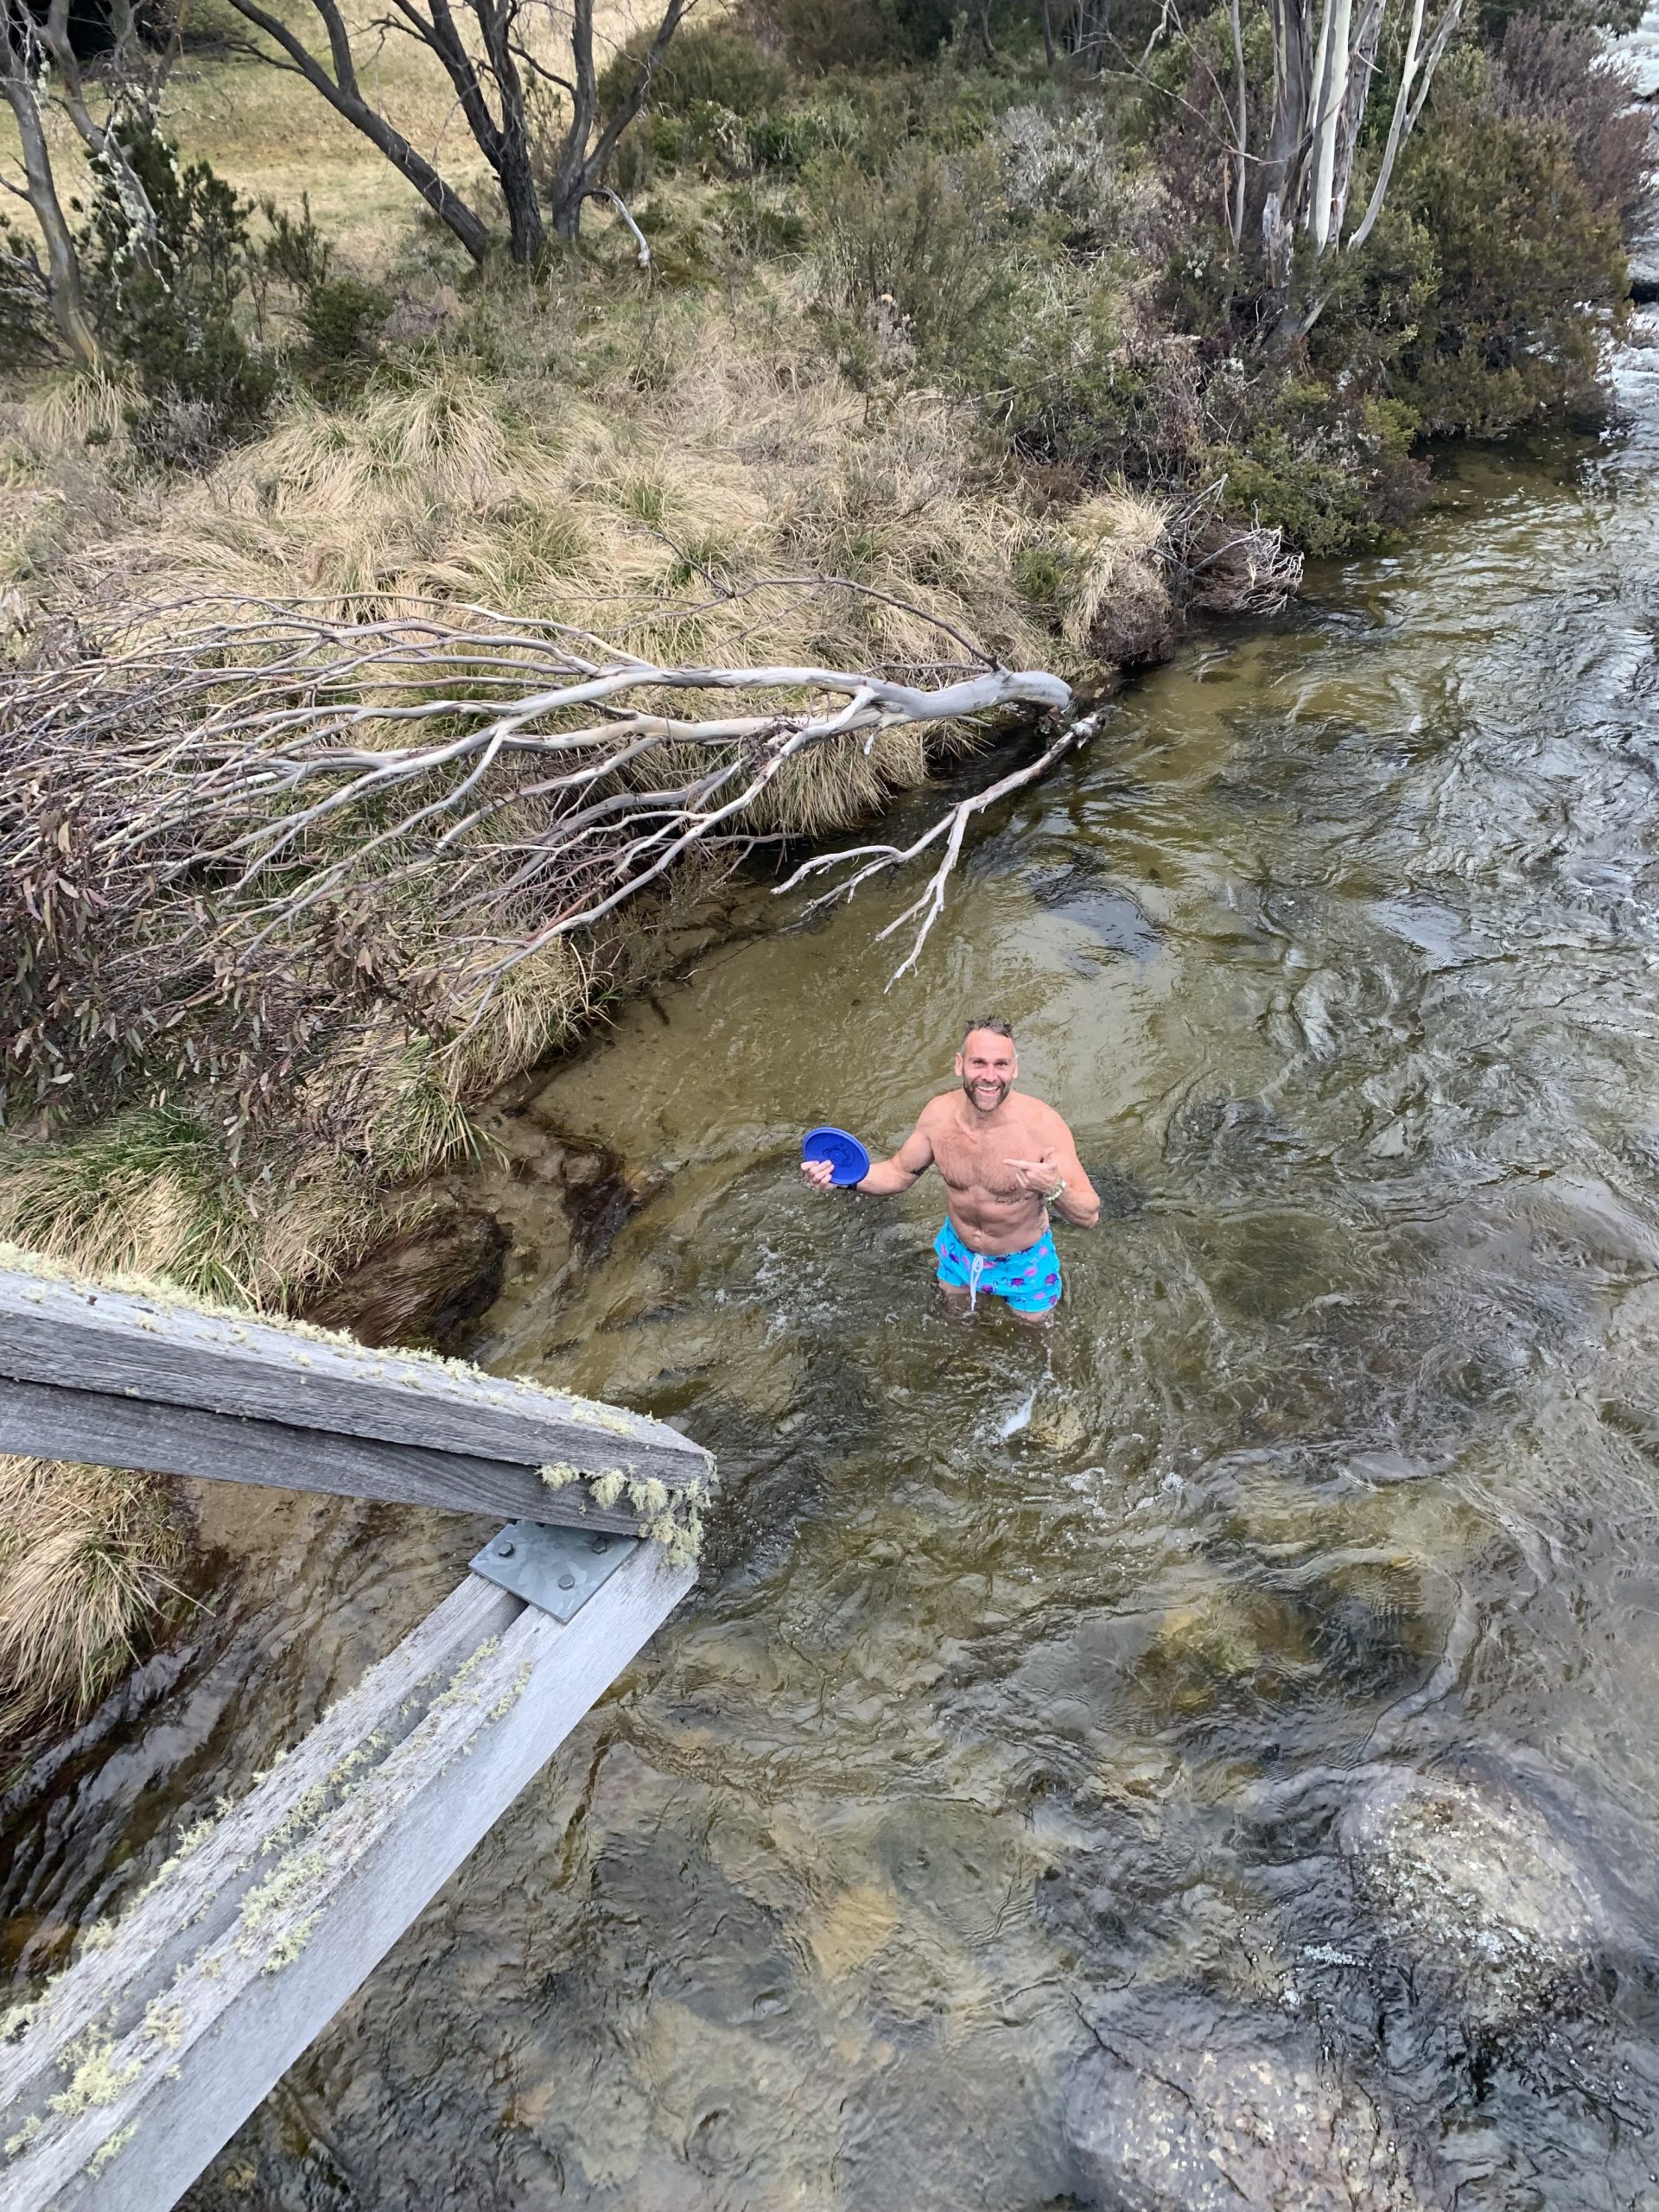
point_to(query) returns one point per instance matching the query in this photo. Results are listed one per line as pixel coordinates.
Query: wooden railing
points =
(142, 2057)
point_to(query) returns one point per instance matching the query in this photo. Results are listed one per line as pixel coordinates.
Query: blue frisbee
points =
(849, 1161)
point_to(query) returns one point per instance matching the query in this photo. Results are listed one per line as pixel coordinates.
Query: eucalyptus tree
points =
(1290, 153)
(1322, 81)
(40, 71)
(57, 280)
(1083, 28)
(495, 54)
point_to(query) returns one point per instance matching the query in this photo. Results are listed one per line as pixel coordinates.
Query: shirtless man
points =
(1008, 1161)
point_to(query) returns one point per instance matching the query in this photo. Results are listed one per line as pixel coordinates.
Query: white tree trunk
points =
(40, 188)
(1405, 110)
(1334, 91)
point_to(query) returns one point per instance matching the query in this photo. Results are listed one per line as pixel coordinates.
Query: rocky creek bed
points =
(1208, 1759)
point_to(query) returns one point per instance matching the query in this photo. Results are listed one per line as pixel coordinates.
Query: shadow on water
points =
(1205, 1758)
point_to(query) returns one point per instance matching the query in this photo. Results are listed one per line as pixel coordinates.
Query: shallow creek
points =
(1209, 1757)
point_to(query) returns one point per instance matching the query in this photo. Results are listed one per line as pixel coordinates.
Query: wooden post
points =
(142, 2059)
(125, 1380)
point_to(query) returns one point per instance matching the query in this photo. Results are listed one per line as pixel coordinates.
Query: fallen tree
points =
(227, 828)
(420, 802)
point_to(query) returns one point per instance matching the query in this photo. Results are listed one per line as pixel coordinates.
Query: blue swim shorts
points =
(1029, 1281)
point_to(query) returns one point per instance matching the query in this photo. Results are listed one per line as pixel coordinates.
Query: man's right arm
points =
(908, 1165)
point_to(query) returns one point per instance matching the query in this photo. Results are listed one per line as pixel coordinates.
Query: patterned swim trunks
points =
(1029, 1281)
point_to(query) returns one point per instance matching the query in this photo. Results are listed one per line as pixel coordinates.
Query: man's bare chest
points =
(970, 1160)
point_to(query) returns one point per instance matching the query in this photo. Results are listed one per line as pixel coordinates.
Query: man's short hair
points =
(998, 1028)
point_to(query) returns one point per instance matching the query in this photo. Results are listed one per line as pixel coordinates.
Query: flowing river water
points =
(1209, 1756)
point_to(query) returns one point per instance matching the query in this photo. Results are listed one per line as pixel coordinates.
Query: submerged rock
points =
(1226, 2113)
(1480, 1886)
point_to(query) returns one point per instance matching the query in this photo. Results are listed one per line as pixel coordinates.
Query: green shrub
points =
(1079, 385)
(341, 317)
(717, 137)
(1374, 304)
(858, 34)
(295, 253)
(704, 64)
(1547, 73)
(922, 253)
(759, 229)
(167, 308)
(1334, 470)
(1042, 576)
(1506, 337)
(727, 142)
(795, 136)
(1064, 167)
(25, 317)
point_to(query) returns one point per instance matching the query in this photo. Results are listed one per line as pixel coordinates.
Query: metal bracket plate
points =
(558, 1569)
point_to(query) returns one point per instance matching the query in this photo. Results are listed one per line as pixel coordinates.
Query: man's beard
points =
(1000, 1088)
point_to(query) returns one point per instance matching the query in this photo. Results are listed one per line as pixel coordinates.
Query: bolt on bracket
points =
(558, 1569)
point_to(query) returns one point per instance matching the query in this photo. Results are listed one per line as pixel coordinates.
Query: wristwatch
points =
(1049, 1196)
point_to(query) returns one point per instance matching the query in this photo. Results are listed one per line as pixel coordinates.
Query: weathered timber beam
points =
(123, 1343)
(87, 1425)
(195, 1892)
(142, 2060)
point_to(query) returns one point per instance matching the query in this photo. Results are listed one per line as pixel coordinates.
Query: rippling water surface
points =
(1214, 1751)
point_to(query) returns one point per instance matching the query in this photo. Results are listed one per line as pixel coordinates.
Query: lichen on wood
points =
(95, 2075)
(110, 2148)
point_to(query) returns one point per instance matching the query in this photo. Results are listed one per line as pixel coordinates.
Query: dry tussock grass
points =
(653, 522)
(150, 1192)
(88, 1557)
(1115, 539)
(147, 1193)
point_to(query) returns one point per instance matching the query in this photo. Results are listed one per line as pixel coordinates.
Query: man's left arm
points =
(1056, 1176)
(1079, 1203)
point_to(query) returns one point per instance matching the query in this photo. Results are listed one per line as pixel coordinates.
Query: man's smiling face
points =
(986, 1067)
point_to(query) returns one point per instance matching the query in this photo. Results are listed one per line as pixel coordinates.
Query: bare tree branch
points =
(621, 205)
(337, 82)
(952, 826)
(275, 763)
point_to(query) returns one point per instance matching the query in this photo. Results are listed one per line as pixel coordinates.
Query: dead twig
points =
(952, 826)
(437, 793)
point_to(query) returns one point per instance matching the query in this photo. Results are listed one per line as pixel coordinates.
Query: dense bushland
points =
(1057, 245)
